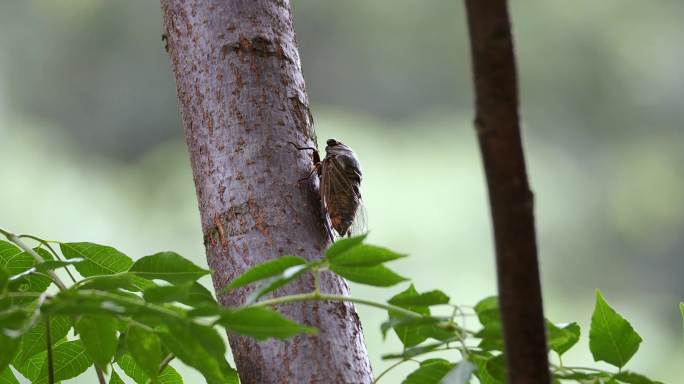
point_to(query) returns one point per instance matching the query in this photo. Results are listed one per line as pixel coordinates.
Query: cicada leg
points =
(317, 169)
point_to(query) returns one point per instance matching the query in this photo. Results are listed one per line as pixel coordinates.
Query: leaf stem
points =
(166, 362)
(584, 369)
(52, 250)
(50, 363)
(100, 375)
(377, 379)
(313, 296)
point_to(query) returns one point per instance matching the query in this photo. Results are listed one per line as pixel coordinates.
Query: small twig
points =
(377, 379)
(52, 250)
(16, 240)
(317, 281)
(48, 338)
(163, 365)
(166, 362)
(100, 375)
(312, 296)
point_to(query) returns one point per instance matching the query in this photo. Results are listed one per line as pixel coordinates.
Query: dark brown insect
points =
(340, 180)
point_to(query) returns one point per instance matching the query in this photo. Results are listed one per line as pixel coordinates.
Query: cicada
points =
(340, 181)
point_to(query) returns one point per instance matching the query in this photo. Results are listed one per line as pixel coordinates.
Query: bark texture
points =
(511, 201)
(242, 98)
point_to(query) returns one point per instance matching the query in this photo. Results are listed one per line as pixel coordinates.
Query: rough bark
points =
(511, 201)
(242, 98)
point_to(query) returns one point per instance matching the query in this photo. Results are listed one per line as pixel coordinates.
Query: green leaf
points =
(4, 279)
(264, 270)
(168, 266)
(198, 346)
(262, 323)
(166, 294)
(17, 261)
(562, 337)
(199, 295)
(404, 321)
(410, 334)
(8, 251)
(191, 295)
(492, 337)
(98, 334)
(99, 259)
(115, 378)
(496, 367)
(275, 282)
(379, 275)
(112, 282)
(7, 377)
(364, 255)
(70, 360)
(480, 360)
(12, 321)
(168, 376)
(611, 338)
(34, 340)
(681, 309)
(31, 368)
(430, 372)
(633, 378)
(343, 245)
(145, 348)
(9, 347)
(487, 310)
(422, 299)
(459, 375)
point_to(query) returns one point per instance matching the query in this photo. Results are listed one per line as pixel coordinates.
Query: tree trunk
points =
(511, 200)
(242, 98)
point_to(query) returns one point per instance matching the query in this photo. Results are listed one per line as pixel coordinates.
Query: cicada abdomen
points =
(340, 183)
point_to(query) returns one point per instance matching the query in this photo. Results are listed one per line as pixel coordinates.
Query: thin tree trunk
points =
(242, 98)
(511, 201)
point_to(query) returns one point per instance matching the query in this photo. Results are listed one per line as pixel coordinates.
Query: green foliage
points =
(98, 334)
(262, 323)
(35, 339)
(122, 319)
(145, 347)
(7, 377)
(562, 338)
(99, 259)
(377, 275)
(268, 269)
(168, 266)
(129, 365)
(70, 360)
(611, 338)
(363, 255)
(431, 371)
(410, 334)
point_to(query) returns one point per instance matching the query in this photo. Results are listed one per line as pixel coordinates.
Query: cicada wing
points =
(341, 195)
(360, 224)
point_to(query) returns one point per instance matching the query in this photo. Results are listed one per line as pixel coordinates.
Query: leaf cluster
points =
(130, 319)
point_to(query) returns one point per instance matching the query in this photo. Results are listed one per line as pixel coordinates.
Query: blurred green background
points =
(92, 148)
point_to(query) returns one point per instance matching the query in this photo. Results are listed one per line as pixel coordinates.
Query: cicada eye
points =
(332, 142)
